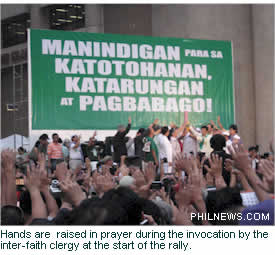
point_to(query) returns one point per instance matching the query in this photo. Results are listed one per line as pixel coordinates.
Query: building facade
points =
(249, 27)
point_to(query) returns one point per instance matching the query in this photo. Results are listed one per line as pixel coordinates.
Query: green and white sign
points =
(95, 81)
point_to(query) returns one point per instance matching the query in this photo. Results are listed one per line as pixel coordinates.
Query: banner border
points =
(138, 36)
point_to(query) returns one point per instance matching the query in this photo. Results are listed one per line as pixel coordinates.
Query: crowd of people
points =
(165, 175)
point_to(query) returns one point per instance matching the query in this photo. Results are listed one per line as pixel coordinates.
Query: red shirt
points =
(55, 151)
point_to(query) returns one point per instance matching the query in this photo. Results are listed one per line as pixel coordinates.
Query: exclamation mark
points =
(209, 104)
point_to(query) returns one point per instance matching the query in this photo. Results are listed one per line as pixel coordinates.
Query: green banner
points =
(96, 81)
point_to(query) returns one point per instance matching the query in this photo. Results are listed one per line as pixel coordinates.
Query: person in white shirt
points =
(165, 148)
(233, 130)
(189, 144)
(174, 135)
(203, 139)
(130, 145)
(210, 127)
(175, 144)
(228, 141)
(76, 158)
(157, 139)
(236, 139)
(252, 151)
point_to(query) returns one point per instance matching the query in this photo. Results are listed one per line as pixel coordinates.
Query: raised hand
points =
(51, 204)
(184, 195)
(139, 177)
(240, 157)
(61, 171)
(213, 123)
(228, 165)
(243, 163)
(215, 168)
(44, 181)
(181, 216)
(156, 121)
(209, 180)
(173, 125)
(8, 158)
(266, 168)
(73, 193)
(124, 170)
(102, 183)
(197, 181)
(8, 178)
(183, 163)
(32, 179)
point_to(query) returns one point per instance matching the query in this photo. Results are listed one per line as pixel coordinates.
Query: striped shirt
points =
(55, 151)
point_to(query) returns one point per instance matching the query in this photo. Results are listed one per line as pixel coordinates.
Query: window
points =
(14, 30)
(66, 16)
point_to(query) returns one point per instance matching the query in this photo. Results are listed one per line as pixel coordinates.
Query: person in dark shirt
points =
(40, 146)
(119, 141)
(91, 151)
(217, 143)
(139, 142)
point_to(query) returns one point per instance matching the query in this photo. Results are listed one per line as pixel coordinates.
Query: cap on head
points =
(198, 130)
(236, 137)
